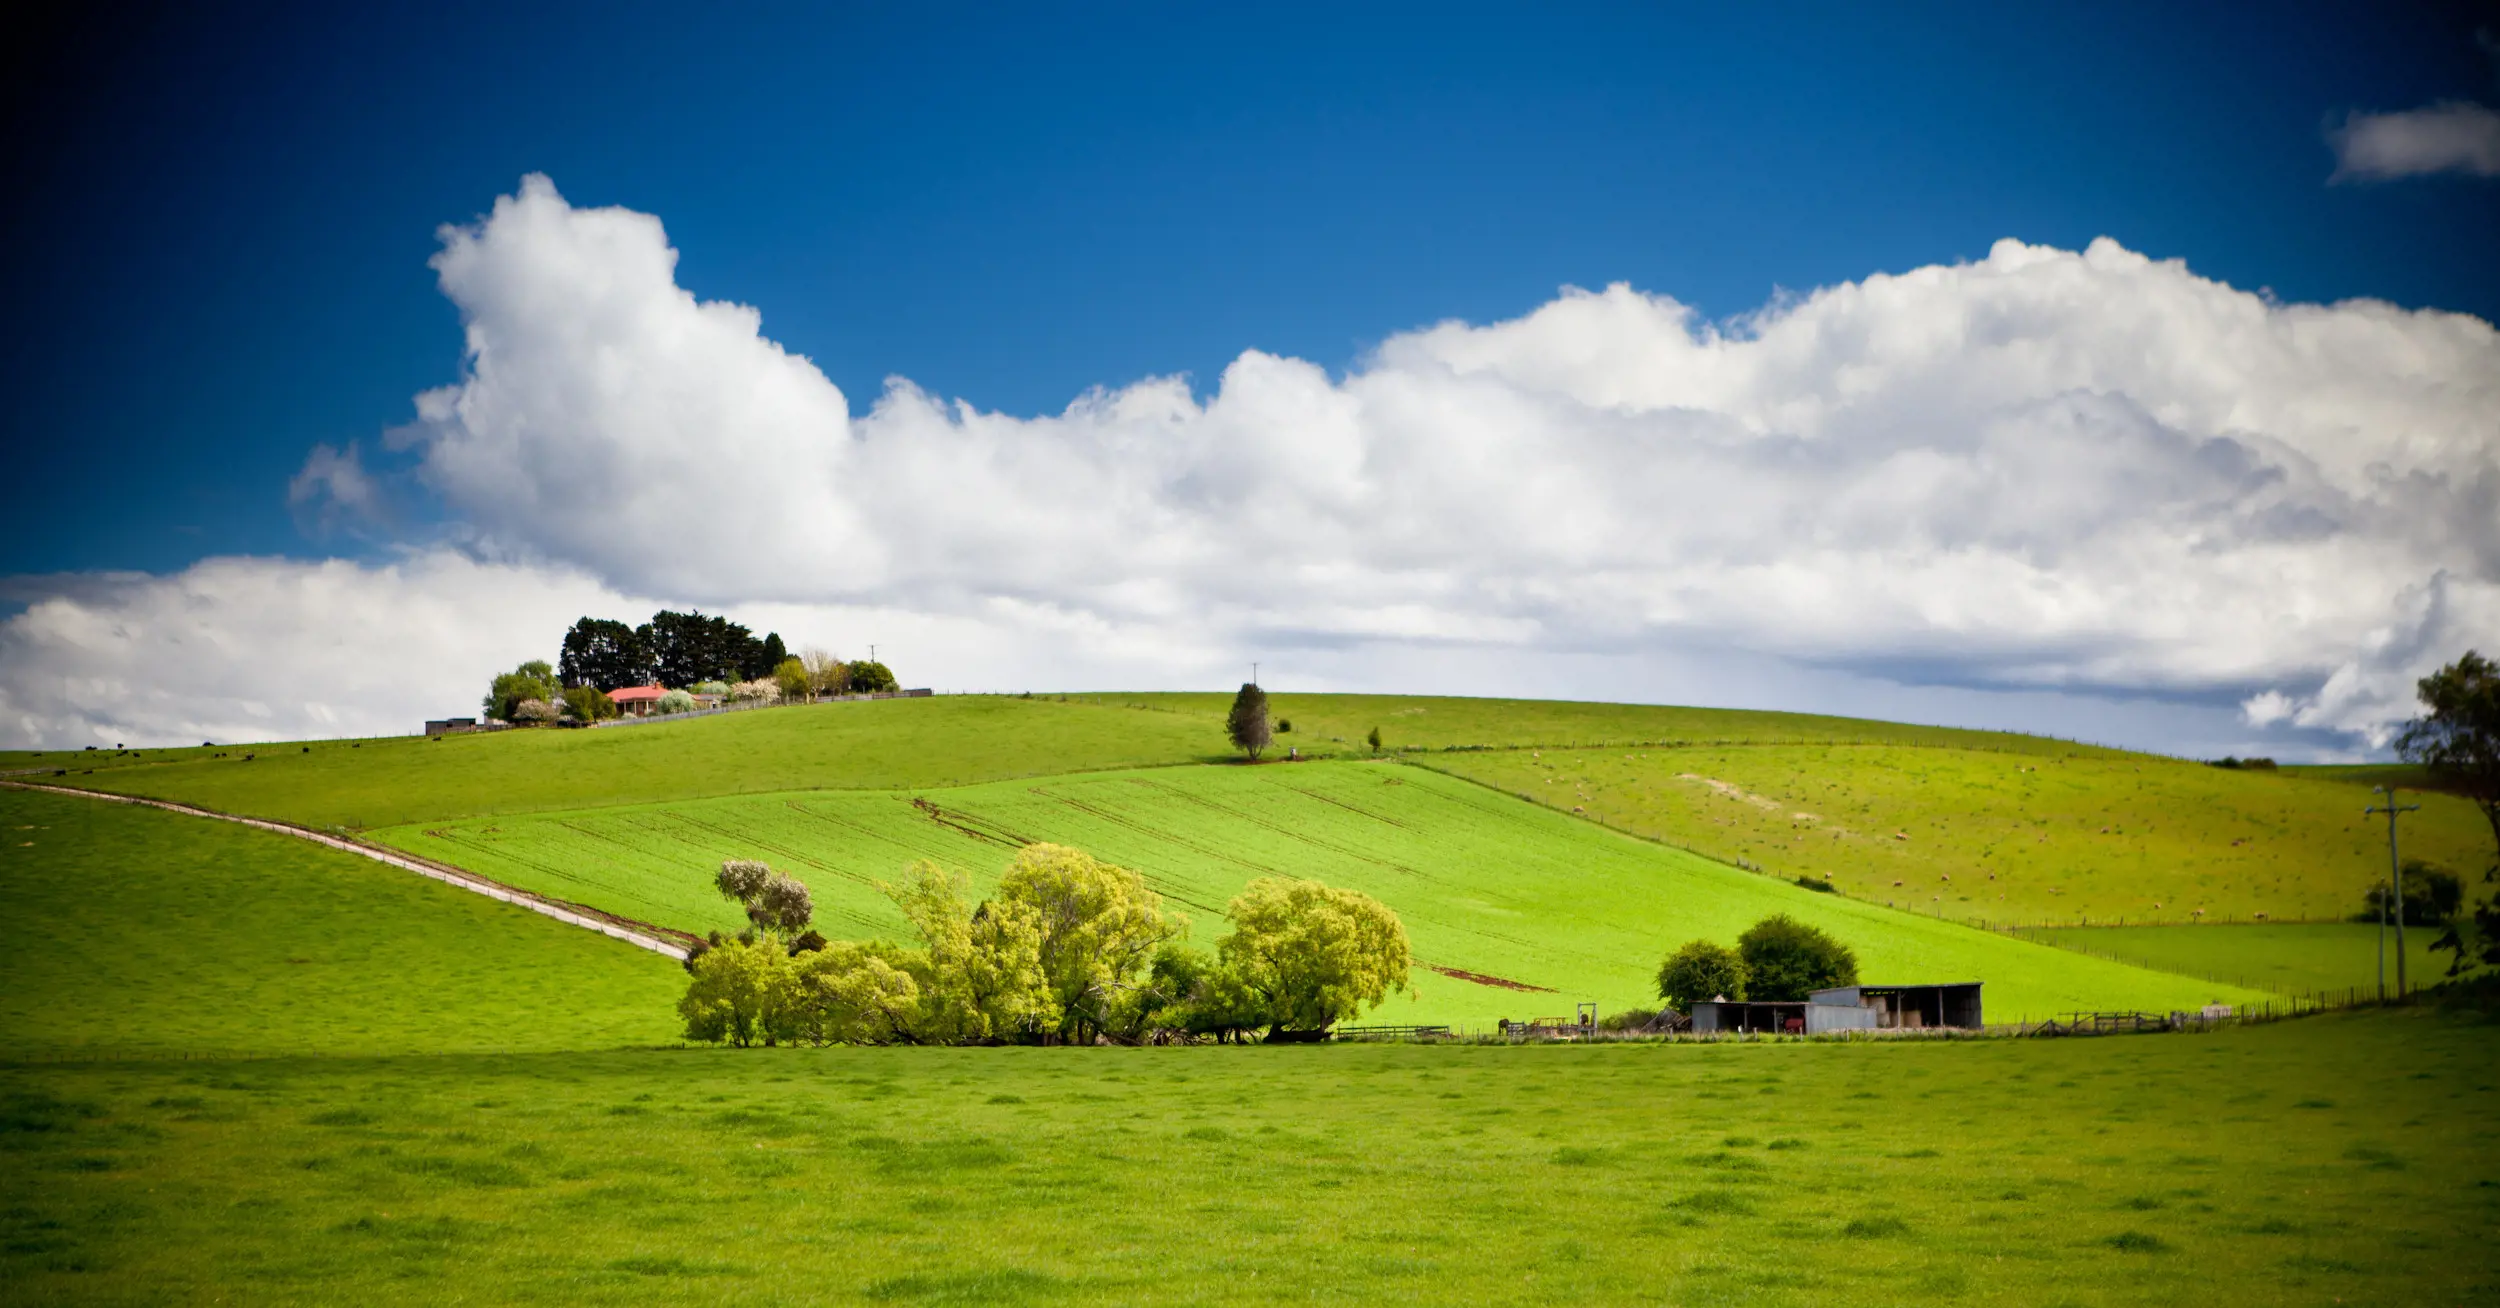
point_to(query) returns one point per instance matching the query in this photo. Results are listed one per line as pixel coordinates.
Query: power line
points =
(2396, 891)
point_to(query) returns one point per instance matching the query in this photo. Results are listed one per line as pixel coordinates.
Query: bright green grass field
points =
(941, 741)
(2293, 958)
(126, 930)
(1338, 724)
(1484, 883)
(2004, 838)
(898, 742)
(2348, 1159)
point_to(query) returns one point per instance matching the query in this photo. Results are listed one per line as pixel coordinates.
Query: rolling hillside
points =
(1979, 826)
(127, 930)
(2000, 837)
(945, 741)
(949, 741)
(1486, 885)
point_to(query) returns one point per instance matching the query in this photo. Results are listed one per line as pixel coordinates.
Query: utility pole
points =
(1254, 674)
(2396, 883)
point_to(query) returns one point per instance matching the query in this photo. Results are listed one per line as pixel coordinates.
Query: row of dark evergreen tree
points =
(673, 649)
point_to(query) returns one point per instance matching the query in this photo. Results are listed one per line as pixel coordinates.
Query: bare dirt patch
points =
(1501, 983)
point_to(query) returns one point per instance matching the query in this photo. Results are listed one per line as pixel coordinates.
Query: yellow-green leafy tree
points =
(979, 970)
(742, 992)
(857, 993)
(1094, 926)
(1310, 955)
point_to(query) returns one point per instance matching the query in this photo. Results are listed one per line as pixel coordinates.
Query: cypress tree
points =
(1247, 723)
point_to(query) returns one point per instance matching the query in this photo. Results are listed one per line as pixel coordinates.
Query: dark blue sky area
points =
(219, 225)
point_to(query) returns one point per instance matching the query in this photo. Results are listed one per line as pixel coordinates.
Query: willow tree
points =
(1095, 927)
(1311, 955)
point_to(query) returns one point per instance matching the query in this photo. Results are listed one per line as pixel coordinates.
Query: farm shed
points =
(1793, 1017)
(1950, 1004)
(449, 726)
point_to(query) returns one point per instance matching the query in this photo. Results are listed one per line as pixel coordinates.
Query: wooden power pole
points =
(2396, 892)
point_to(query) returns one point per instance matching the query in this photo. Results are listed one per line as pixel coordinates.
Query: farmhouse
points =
(636, 701)
(1847, 1008)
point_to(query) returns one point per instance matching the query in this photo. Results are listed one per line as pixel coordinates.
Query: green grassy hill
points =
(127, 930)
(2002, 837)
(948, 741)
(357, 1152)
(2297, 958)
(942, 741)
(1980, 826)
(1975, 826)
(1486, 884)
(1339, 724)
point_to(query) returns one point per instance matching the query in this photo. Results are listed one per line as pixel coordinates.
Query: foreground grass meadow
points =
(2340, 1159)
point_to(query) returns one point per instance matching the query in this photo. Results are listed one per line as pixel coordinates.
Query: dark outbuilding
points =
(1953, 1004)
(1794, 1017)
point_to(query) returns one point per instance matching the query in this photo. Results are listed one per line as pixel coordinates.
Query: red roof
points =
(636, 694)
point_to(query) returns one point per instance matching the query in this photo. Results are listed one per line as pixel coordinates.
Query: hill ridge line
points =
(642, 935)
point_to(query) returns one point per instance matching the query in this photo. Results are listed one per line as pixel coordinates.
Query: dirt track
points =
(659, 940)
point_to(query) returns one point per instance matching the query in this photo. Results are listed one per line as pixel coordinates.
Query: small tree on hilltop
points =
(1785, 959)
(1311, 955)
(1246, 725)
(869, 677)
(1701, 970)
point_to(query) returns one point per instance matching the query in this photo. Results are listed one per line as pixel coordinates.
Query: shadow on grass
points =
(1012, 1285)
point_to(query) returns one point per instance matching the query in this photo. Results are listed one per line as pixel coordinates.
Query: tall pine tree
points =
(1247, 723)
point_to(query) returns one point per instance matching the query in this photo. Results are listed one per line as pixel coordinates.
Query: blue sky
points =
(229, 218)
(225, 224)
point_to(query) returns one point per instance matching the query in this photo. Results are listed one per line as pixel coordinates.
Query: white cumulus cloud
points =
(2086, 473)
(251, 649)
(2045, 468)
